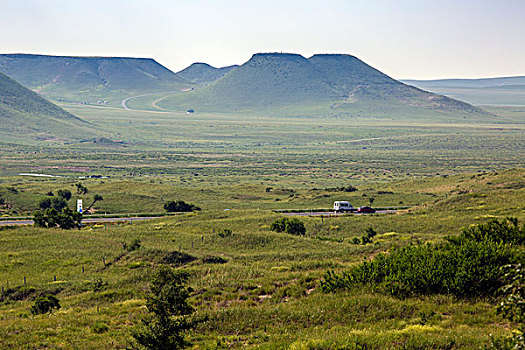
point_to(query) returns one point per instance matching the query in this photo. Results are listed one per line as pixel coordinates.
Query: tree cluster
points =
(180, 206)
(66, 219)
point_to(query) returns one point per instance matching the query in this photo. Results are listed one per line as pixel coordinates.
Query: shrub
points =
(134, 245)
(506, 231)
(99, 285)
(512, 307)
(45, 304)
(99, 328)
(179, 206)
(225, 233)
(292, 226)
(51, 217)
(464, 267)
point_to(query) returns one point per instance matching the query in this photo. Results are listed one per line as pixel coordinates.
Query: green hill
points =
(26, 115)
(290, 84)
(203, 73)
(88, 79)
(490, 91)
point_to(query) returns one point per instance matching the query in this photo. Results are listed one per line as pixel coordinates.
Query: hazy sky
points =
(403, 38)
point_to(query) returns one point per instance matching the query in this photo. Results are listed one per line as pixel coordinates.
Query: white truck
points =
(343, 206)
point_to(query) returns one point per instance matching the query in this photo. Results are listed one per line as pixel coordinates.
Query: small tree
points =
(81, 189)
(65, 194)
(97, 198)
(45, 304)
(169, 312)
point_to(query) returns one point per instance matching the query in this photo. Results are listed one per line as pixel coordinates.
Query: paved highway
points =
(331, 213)
(84, 221)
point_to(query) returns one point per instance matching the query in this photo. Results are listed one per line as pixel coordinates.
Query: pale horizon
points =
(406, 40)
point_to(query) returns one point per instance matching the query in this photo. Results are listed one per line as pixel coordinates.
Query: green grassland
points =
(258, 289)
(228, 148)
(26, 115)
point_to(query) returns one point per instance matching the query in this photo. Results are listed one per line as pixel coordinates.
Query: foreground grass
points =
(258, 288)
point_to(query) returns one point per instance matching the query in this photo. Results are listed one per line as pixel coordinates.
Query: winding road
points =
(125, 101)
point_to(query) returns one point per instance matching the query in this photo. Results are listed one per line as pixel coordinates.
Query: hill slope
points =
(87, 78)
(490, 91)
(291, 84)
(24, 114)
(203, 73)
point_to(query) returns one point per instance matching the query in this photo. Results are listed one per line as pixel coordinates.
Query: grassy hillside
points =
(26, 115)
(289, 84)
(89, 79)
(203, 73)
(491, 91)
(256, 288)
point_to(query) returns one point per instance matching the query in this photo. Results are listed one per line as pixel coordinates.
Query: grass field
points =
(258, 288)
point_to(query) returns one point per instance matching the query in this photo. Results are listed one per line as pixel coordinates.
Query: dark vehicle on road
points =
(366, 210)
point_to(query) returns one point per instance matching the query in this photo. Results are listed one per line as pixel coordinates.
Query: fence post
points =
(25, 282)
(55, 278)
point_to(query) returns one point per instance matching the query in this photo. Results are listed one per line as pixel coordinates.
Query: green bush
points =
(99, 285)
(179, 206)
(225, 233)
(464, 267)
(45, 304)
(506, 231)
(134, 245)
(99, 328)
(292, 226)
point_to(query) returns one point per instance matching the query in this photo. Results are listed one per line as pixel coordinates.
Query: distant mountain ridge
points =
(89, 77)
(25, 113)
(291, 83)
(203, 73)
(485, 91)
